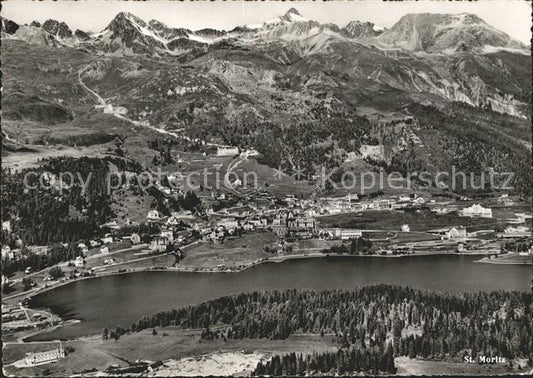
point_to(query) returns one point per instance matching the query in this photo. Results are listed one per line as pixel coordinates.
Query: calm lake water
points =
(120, 300)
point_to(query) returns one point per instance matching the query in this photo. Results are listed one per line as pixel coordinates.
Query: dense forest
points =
(42, 209)
(415, 323)
(464, 136)
(345, 361)
(323, 141)
(431, 140)
(46, 211)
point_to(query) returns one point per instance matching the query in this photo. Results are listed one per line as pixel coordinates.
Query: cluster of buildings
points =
(285, 223)
(295, 218)
(515, 232)
(351, 203)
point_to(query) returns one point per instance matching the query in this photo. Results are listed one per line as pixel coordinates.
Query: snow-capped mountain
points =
(292, 16)
(128, 34)
(291, 26)
(455, 65)
(445, 33)
(285, 72)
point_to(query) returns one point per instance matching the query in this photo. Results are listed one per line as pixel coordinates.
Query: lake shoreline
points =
(488, 260)
(277, 259)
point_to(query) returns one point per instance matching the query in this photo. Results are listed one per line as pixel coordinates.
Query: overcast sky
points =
(510, 16)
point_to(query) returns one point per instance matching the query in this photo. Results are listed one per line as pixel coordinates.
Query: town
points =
(235, 189)
(281, 228)
(229, 233)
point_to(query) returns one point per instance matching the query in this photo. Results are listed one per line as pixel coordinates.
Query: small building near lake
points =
(39, 358)
(159, 244)
(456, 233)
(79, 262)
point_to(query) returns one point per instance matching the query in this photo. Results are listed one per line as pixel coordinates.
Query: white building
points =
(441, 210)
(344, 233)
(6, 226)
(159, 244)
(167, 234)
(522, 217)
(94, 243)
(47, 357)
(153, 215)
(227, 151)
(476, 211)
(104, 250)
(135, 238)
(249, 226)
(228, 224)
(109, 260)
(173, 220)
(7, 253)
(456, 233)
(258, 223)
(113, 225)
(79, 262)
(518, 231)
(405, 228)
(419, 200)
(83, 248)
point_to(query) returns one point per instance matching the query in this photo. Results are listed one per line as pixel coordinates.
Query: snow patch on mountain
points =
(444, 32)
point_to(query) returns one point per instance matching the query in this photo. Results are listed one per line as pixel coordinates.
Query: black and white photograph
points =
(266, 188)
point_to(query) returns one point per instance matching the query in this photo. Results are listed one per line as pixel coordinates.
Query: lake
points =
(122, 299)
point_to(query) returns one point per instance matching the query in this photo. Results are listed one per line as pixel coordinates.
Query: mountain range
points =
(434, 33)
(239, 85)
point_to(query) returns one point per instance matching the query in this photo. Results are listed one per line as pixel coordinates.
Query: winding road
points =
(119, 112)
(103, 105)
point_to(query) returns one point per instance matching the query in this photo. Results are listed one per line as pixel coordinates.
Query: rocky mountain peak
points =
(81, 35)
(292, 15)
(209, 32)
(358, 29)
(166, 32)
(125, 21)
(57, 29)
(8, 26)
(293, 11)
(444, 32)
(469, 18)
